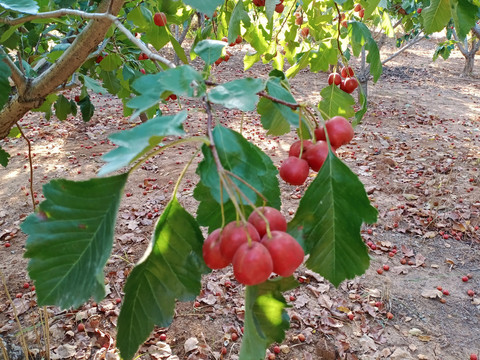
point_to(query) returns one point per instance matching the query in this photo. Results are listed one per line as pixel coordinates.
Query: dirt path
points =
(417, 152)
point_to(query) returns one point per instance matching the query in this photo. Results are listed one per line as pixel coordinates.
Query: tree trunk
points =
(58, 74)
(363, 75)
(469, 61)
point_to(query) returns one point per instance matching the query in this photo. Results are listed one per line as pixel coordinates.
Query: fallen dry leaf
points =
(431, 293)
(190, 344)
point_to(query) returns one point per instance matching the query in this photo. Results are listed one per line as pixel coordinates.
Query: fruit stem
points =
(182, 174)
(228, 172)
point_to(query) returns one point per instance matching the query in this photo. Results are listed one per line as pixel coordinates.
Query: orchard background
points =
(107, 103)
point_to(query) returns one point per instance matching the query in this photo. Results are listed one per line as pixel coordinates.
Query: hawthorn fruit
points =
(299, 21)
(347, 71)
(234, 235)
(160, 19)
(349, 85)
(316, 155)
(296, 147)
(340, 131)
(294, 170)
(361, 13)
(211, 251)
(334, 78)
(305, 31)
(274, 217)
(287, 254)
(357, 8)
(279, 8)
(252, 264)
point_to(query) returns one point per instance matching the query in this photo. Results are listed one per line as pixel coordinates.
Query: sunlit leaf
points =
(336, 102)
(436, 16)
(237, 94)
(4, 156)
(23, 6)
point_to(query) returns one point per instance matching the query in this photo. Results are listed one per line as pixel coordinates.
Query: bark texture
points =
(37, 89)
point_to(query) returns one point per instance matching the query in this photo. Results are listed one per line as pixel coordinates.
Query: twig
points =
(17, 76)
(278, 101)
(30, 162)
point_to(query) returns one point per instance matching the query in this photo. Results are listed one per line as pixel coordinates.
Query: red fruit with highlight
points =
(347, 71)
(296, 147)
(334, 78)
(252, 264)
(234, 235)
(287, 254)
(316, 155)
(275, 219)
(160, 19)
(211, 251)
(294, 170)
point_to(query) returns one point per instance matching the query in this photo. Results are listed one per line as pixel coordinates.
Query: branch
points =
(461, 47)
(278, 101)
(410, 44)
(476, 31)
(17, 76)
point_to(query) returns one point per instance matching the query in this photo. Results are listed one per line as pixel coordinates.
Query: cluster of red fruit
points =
(348, 83)
(253, 251)
(361, 11)
(227, 55)
(303, 154)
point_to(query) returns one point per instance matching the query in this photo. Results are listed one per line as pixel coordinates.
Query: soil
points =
(417, 151)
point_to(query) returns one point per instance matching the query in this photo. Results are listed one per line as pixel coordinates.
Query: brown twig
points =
(30, 163)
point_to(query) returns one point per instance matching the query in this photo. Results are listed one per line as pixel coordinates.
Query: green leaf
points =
(182, 81)
(362, 37)
(323, 57)
(436, 16)
(359, 114)
(238, 15)
(237, 94)
(70, 239)
(171, 269)
(328, 222)
(302, 63)
(246, 161)
(270, 9)
(206, 7)
(370, 6)
(336, 102)
(135, 142)
(14, 132)
(111, 62)
(110, 81)
(265, 317)
(5, 88)
(94, 85)
(178, 49)
(157, 36)
(209, 50)
(23, 6)
(465, 15)
(4, 156)
(209, 212)
(87, 108)
(63, 107)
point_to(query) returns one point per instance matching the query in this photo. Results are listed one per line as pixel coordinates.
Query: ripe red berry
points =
(389, 316)
(160, 19)
(380, 271)
(211, 251)
(386, 267)
(234, 235)
(279, 8)
(294, 170)
(77, 98)
(224, 350)
(276, 349)
(473, 357)
(274, 217)
(296, 147)
(81, 327)
(464, 278)
(316, 155)
(470, 292)
(349, 85)
(234, 336)
(419, 10)
(163, 337)
(334, 78)
(446, 292)
(357, 8)
(361, 13)
(351, 316)
(301, 337)
(26, 285)
(347, 72)
(286, 252)
(252, 264)
(340, 131)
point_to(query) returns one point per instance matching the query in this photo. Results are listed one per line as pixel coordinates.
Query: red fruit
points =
(197, 304)
(234, 336)
(361, 13)
(347, 71)
(173, 97)
(276, 349)
(118, 300)
(446, 292)
(464, 278)
(403, 261)
(99, 59)
(19, 295)
(77, 98)
(299, 21)
(389, 316)
(349, 85)
(344, 24)
(294, 170)
(386, 267)
(163, 337)
(259, 2)
(334, 78)
(218, 61)
(320, 134)
(252, 264)
(357, 8)
(142, 71)
(7, 245)
(26, 285)
(224, 350)
(234, 235)
(301, 337)
(279, 8)
(351, 316)
(340, 131)
(226, 57)
(238, 40)
(419, 10)
(380, 271)
(275, 219)
(439, 288)
(316, 155)
(211, 251)
(305, 31)
(470, 292)
(287, 254)
(225, 39)
(271, 356)
(81, 327)
(160, 19)
(296, 146)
